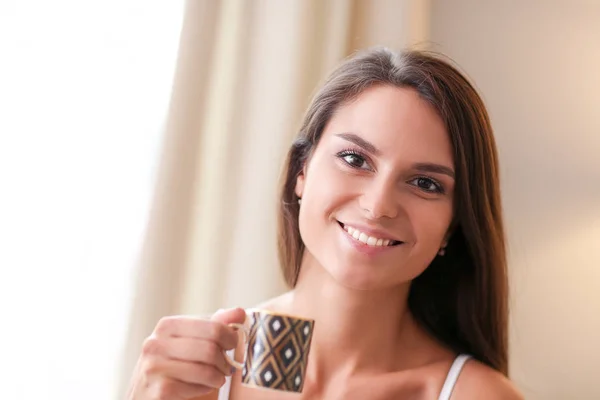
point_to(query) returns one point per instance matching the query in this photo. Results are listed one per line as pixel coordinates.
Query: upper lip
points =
(377, 233)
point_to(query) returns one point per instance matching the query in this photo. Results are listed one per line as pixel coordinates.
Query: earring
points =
(299, 201)
(442, 252)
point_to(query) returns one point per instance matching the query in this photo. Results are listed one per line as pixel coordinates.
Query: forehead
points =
(397, 121)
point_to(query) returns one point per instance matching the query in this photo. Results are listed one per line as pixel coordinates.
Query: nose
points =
(379, 199)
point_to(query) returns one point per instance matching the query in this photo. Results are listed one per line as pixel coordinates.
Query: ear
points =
(445, 242)
(448, 234)
(300, 179)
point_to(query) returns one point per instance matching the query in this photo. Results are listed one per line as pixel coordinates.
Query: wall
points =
(537, 64)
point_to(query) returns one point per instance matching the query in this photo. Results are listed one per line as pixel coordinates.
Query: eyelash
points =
(438, 188)
(352, 152)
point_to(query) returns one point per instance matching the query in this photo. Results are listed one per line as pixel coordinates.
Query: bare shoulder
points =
(478, 381)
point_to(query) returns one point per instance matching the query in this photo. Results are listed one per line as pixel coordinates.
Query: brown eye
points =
(428, 185)
(354, 159)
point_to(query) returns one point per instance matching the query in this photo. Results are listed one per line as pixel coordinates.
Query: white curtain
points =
(84, 89)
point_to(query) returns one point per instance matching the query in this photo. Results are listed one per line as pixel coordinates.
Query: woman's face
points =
(377, 192)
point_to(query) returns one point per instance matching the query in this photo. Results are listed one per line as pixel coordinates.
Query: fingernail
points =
(232, 370)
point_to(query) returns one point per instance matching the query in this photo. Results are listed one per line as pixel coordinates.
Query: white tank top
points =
(445, 394)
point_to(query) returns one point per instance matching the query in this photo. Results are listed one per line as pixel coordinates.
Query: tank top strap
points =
(452, 376)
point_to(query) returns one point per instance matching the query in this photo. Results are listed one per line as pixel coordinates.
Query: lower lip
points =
(365, 248)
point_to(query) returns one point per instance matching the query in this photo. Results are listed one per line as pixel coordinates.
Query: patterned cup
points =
(277, 348)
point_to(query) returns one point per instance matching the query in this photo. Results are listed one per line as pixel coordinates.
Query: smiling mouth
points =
(366, 239)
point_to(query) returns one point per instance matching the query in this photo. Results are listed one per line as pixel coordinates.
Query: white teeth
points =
(363, 238)
(366, 239)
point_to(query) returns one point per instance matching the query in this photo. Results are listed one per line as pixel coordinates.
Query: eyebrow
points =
(434, 168)
(357, 140)
(370, 147)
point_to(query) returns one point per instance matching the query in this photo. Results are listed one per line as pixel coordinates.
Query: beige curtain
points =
(245, 73)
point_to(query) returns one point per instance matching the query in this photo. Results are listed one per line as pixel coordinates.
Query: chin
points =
(359, 278)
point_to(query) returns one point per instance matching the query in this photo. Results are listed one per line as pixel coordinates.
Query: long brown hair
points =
(461, 298)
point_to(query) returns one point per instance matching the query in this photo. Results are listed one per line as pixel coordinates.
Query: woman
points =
(390, 237)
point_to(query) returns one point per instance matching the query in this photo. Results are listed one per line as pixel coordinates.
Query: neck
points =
(355, 330)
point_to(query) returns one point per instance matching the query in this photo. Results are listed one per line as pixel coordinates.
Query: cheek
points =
(327, 187)
(431, 223)
(326, 190)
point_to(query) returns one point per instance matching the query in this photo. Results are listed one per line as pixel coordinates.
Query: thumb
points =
(231, 315)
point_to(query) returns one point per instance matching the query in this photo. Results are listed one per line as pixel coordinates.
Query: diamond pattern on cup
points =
(294, 379)
(277, 327)
(288, 353)
(277, 352)
(270, 376)
(303, 332)
(258, 351)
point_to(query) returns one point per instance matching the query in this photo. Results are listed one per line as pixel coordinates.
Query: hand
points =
(183, 358)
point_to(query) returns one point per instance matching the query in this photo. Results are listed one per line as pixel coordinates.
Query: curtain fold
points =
(246, 71)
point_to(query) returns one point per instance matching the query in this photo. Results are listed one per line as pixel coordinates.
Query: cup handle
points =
(228, 358)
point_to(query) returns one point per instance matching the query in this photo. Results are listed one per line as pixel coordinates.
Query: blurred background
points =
(141, 145)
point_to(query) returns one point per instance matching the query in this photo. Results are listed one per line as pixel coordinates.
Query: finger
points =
(185, 371)
(232, 315)
(192, 327)
(195, 350)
